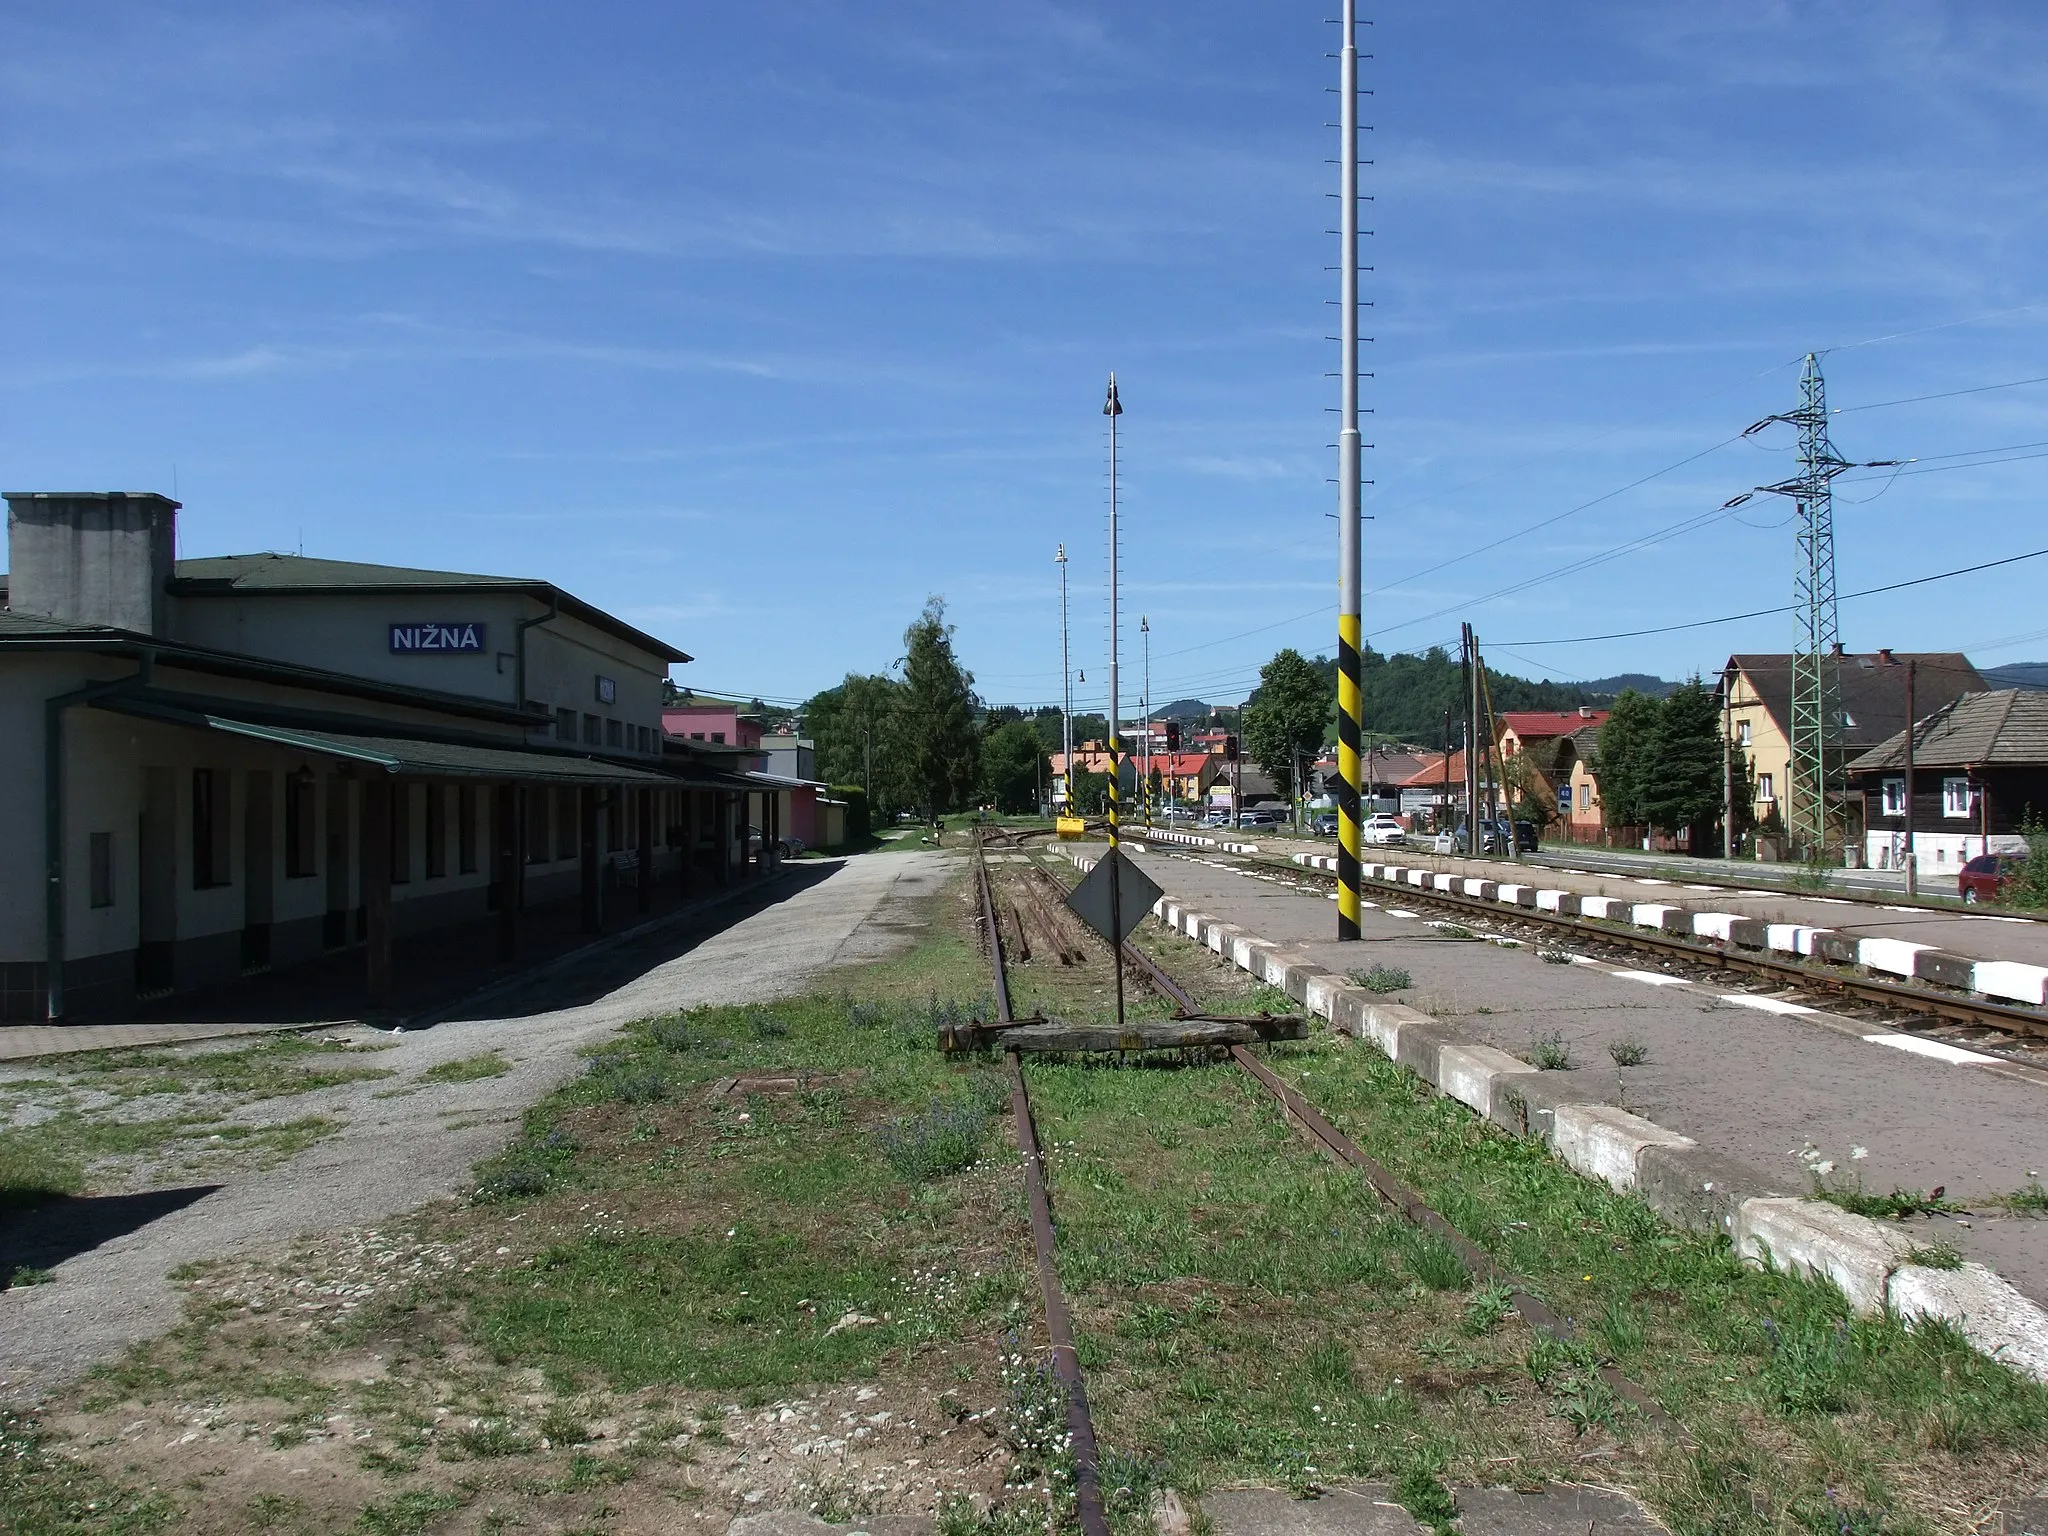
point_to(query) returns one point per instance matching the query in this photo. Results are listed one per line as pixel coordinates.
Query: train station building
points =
(216, 768)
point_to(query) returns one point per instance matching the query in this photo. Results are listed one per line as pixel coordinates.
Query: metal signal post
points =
(1350, 725)
(1113, 408)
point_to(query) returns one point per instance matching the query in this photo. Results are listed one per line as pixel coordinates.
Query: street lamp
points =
(1145, 629)
(1066, 693)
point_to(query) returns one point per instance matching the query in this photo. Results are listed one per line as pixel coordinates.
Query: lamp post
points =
(1145, 629)
(1066, 693)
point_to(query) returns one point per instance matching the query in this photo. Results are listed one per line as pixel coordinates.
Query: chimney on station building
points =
(92, 557)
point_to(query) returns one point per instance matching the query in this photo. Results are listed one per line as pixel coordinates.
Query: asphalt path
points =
(399, 1151)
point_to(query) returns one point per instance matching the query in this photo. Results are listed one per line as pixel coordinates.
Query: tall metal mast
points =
(1113, 408)
(1816, 667)
(1145, 771)
(1350, 726)
(1066, 690)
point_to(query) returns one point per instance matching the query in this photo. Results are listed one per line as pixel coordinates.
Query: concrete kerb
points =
(1870, 1263)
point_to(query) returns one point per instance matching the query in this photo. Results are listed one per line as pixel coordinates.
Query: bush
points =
(524, 1169)
(1383, 979)
(672, 1033)
(625, 1082)
(859, 820)
(1551, 1052)
(944, 1138)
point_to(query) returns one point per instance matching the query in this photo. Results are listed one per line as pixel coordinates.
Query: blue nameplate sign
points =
(436, 637)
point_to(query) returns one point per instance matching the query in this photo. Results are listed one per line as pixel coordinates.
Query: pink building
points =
(717, 722)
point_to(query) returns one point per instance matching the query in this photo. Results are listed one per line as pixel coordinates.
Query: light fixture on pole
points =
(1145, 794)
(1113, 408)
(1066, 694)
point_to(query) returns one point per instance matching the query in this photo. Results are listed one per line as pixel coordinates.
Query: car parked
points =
(1324, 825)
(1382, 831)
(1986, 877)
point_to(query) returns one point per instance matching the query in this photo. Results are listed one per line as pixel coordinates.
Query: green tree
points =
(1290, 712)
(854, 727)
(1626, 742)
(1012, 767)
(1681, 777)
(934, 718)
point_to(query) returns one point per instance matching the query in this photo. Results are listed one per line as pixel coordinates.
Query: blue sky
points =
(759, 324)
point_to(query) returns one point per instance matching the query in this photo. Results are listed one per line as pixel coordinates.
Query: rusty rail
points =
(1059, 1326)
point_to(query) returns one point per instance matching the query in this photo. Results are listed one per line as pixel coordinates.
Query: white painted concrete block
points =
(1322, 995)
(1715, 925)
(1810, 1237)
(1466, 1072)
(2011, 979)
(1604, 1143)
(1892, 956)
(1513, 894)
(1472, 886)
(1791, 938)
(1649, 914)
(1550, 901)
(1418, 877)
(1599, 906)
(1993, 1316)
(1444, 882)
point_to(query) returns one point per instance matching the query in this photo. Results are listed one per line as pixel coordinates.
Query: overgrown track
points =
(1306, 1118)
(1059, 1327)
(1550, 928)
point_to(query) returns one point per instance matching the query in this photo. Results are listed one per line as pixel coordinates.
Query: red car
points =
(1985, 877)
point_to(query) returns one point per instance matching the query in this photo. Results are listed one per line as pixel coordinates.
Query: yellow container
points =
(1070, 826)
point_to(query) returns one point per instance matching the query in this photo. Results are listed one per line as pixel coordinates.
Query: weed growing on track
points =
(1550, 1052)
(1383, 979)
(2031, 1201)
(1628, 1053)
(944, 1137)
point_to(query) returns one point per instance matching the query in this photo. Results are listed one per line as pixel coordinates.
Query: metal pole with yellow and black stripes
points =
(1350, 724)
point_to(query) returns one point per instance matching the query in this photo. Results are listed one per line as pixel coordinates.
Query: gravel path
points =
(400, 1151)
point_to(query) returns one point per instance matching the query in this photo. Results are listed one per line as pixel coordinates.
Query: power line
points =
(1947, 394)
(1759, 613)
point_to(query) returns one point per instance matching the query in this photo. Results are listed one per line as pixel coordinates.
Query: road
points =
(398, 1152)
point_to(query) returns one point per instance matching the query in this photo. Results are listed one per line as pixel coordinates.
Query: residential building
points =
(1556, 745)
(1980, 769)
(1873, 699)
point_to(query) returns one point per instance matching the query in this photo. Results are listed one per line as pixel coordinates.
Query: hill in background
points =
(2017, 674)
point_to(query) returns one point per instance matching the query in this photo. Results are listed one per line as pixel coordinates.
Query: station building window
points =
(102, 857)
(437, 831)
(301, 826)
(614, 733)
(565, 725)
(593, 731)
(465, 829)
(209, 828)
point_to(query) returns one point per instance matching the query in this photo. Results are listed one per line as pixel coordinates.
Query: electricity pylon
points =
(1816, 670)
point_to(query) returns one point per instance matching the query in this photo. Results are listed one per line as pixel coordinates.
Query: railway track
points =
(1038, 888)
(2019, 1033)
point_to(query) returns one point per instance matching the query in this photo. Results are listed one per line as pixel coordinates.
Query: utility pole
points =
(1350, 584)
(1816, 666)
(1145, 797)
(1912, 858)
(1728, 763)
(1066, 693)
(1113, 408)
(1471, 662)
